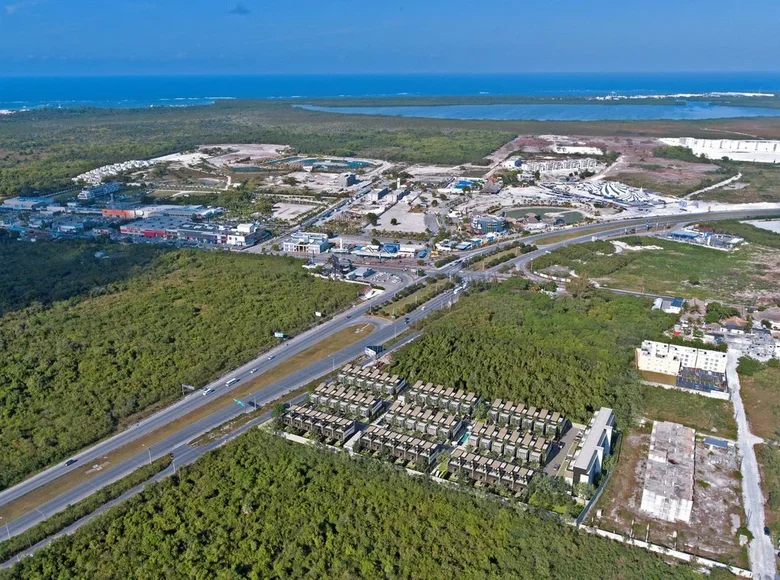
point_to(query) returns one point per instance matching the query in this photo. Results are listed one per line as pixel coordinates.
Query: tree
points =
(579, 287)
(394, 222)
(372, 218)
(278, 413)
(375, 242)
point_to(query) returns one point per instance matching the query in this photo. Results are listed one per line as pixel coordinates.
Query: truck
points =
(278, 334)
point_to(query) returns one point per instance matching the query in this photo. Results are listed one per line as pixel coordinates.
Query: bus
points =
(231, 382)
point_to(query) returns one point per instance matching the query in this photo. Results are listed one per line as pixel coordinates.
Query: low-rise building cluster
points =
(319, 423)
(169, 228)
(697, 369)
(423, 420)
(346, 400)
(372, 380)
(440, 397)
(594, 443)
(514, 444)
(397, 445)
(488, 471)
(539, 420)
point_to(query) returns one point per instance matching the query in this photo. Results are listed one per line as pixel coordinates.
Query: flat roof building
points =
(670, 359)
(668, 489)
(595, 443)
(306, 243)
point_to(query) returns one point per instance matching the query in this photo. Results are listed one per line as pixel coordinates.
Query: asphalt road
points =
(280, 354)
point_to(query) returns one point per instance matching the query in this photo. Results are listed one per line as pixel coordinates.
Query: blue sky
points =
(393, 36)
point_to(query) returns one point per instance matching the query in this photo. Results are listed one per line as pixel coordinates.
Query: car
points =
(70, 462)
(272, 357)
(207, 391)
(767, 531)
(252, 371)
(349, 316)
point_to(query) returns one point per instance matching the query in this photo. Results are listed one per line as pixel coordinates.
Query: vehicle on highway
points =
(70, 462)
(271, 357)
(231, 382)
(252, 371)
(207, 390)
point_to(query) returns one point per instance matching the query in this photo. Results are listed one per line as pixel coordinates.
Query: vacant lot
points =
(704, 414)
(72, 373)
(717, 504)
(761, 396)
(749, 274)
(769, 463)
(760, 182)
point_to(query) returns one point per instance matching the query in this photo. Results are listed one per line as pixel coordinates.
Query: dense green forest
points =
(70, 373)
(262, 507)
(41, 150)
(47, 272)
(568, 354)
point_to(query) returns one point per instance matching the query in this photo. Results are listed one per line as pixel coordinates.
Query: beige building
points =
(669, 359)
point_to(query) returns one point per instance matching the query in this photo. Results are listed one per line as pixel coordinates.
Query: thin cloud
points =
(240, 10)
(11, 9)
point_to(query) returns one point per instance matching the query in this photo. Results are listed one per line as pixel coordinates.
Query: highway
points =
(177, 441)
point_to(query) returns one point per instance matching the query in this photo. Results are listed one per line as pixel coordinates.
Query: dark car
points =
(766, 531)
(70, 462)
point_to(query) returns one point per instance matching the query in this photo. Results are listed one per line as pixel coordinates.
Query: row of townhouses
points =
(397, 445)
(543, 421)
(372, 380)
(439, 397)
(342, 399)
(423, 420)
(522, 446)
(319, 423)
(482, 469)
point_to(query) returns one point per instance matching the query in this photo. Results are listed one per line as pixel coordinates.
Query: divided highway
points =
(177, 442)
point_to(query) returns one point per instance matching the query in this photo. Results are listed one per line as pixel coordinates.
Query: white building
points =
(543, 166)
(595, 444)
(669, 359)
(306, 243)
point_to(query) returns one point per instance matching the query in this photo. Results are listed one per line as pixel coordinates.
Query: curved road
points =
(384, 332)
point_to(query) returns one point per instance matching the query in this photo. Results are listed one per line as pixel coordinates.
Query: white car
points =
(207, 390)
(252, 371)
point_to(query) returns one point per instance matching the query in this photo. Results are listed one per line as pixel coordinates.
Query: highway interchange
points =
(178, 441)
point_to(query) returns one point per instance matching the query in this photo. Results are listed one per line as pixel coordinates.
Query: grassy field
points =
(322, 349)
(750, 273)
(409, 303)
(677, 188)
(761, 396)
(769, 464)
(701, 413)
(761, 183)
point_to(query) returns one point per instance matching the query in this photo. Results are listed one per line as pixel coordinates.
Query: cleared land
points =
(317, 352)
(701, 413)
(76, 371)
(769, 463)
(263, 507)
(761, 396)
(717, 507)
(749, 274)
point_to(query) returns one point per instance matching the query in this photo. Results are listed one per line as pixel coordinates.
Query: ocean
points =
(144, 91)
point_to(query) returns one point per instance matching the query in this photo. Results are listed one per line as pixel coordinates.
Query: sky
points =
(99, 37)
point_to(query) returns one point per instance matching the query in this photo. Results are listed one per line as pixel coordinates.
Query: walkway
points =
(760, 551)
(736, 177)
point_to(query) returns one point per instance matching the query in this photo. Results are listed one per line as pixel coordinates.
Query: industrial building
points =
(558, 165)
(306, 243)
(710, 239)
(319, 423)
(669, 305)
(439, 397)
(398, 445)
(347, 180)
(488, 471)
(594, 444)
(344, 400)
(668, 489)
(179, 228)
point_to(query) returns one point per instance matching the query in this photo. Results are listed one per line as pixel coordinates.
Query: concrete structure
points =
(375, 195)
(668, 487)
(319, 423)
(371, 380)
(398, 445)
(179, 228)
(439, 397)
(423, 420)
(98, 191)
(670, 359)
(594, 444)
(488, 471)
(769, 317)
(347, 180)
(25, 203)
(518, 416)
(346, 401)
(161, 227)
(710, 239)
(306, 243)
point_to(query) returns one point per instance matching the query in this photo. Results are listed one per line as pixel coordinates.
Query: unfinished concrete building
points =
(668, 489)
